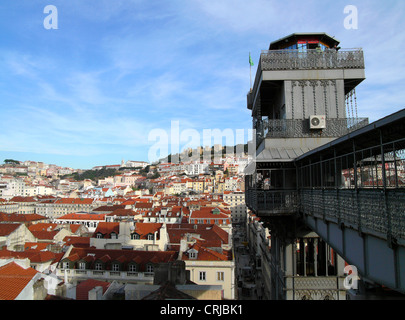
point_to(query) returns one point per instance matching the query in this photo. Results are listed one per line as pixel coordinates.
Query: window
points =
(133, 268)
(65, 265)
(150, 236)
(98, 266)
(202, 276)
(134, 236)
(99, 235)
(192, 255)
(220, 276)
(115, 267)
(82, 265)
(114, 235)
(302, 47)
(149, 268)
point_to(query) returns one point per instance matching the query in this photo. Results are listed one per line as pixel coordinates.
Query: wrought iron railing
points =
(273, 60)
(298, 128)
(311, 59)
(280, 202)
(372, 211)
(315, 288)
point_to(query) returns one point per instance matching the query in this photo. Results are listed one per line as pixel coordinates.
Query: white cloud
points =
(117, 69)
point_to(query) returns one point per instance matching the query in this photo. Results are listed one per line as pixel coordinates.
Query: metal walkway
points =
(351, 192)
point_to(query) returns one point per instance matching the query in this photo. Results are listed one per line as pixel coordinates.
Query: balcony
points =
(272, 203)
(290, 60)
(108, 275)
(299, 128)
(311, 59)
(315, 288)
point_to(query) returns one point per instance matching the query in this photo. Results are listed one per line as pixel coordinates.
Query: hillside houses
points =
(123, 232)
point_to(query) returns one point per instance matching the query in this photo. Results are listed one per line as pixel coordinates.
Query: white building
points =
(196, 168)
(236, 201)
(137, 236)
(134, 164)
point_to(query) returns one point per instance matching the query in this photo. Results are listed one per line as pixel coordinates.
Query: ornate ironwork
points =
(368, 210)
(298, 128)
(273, 202)
(311, 59)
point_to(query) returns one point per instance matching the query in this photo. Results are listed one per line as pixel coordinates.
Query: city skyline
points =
(90, 92)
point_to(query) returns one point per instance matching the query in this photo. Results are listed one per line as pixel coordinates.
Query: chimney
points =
(183, 248)
(96, 293)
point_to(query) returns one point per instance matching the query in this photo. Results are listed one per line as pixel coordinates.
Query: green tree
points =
(11, 161)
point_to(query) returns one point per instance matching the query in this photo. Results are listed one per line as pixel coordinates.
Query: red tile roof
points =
(210, 234)
(106, 228)
(83, 288)
(78, 242)
(142, 258)
(143, 229)
(43, 227)
(109, 208)
(83, 216)
(7, 228)
(23, 199)
(210, 213)
(37, 246)
(122, 212)
(14, 217)
(206, 254)
(144, 205)
(13, 279)
(35, 256)
(86, 201)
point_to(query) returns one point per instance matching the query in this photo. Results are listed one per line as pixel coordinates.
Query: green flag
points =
(250, 60)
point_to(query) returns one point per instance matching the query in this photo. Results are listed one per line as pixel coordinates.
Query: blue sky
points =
(90, 92)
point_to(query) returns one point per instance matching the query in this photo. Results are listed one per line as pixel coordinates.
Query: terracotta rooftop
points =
(13, 279)
(35, 256)
(142, 258)
(83, 288)
(82, 216)
(7, 228)
(109, 208)
(86, 201)
(14, 217)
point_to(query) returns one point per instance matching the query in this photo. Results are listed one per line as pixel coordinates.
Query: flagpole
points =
(250, 65)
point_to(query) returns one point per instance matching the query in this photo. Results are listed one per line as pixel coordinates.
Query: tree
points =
(11, 161)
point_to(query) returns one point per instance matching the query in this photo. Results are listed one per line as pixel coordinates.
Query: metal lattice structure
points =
(297, 128)
(311, 59)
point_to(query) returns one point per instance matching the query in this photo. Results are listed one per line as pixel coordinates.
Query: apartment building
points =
(130, 235)
(58, 207)
(124, 266)
(210, 267)
(236, 201)
(89, 220)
